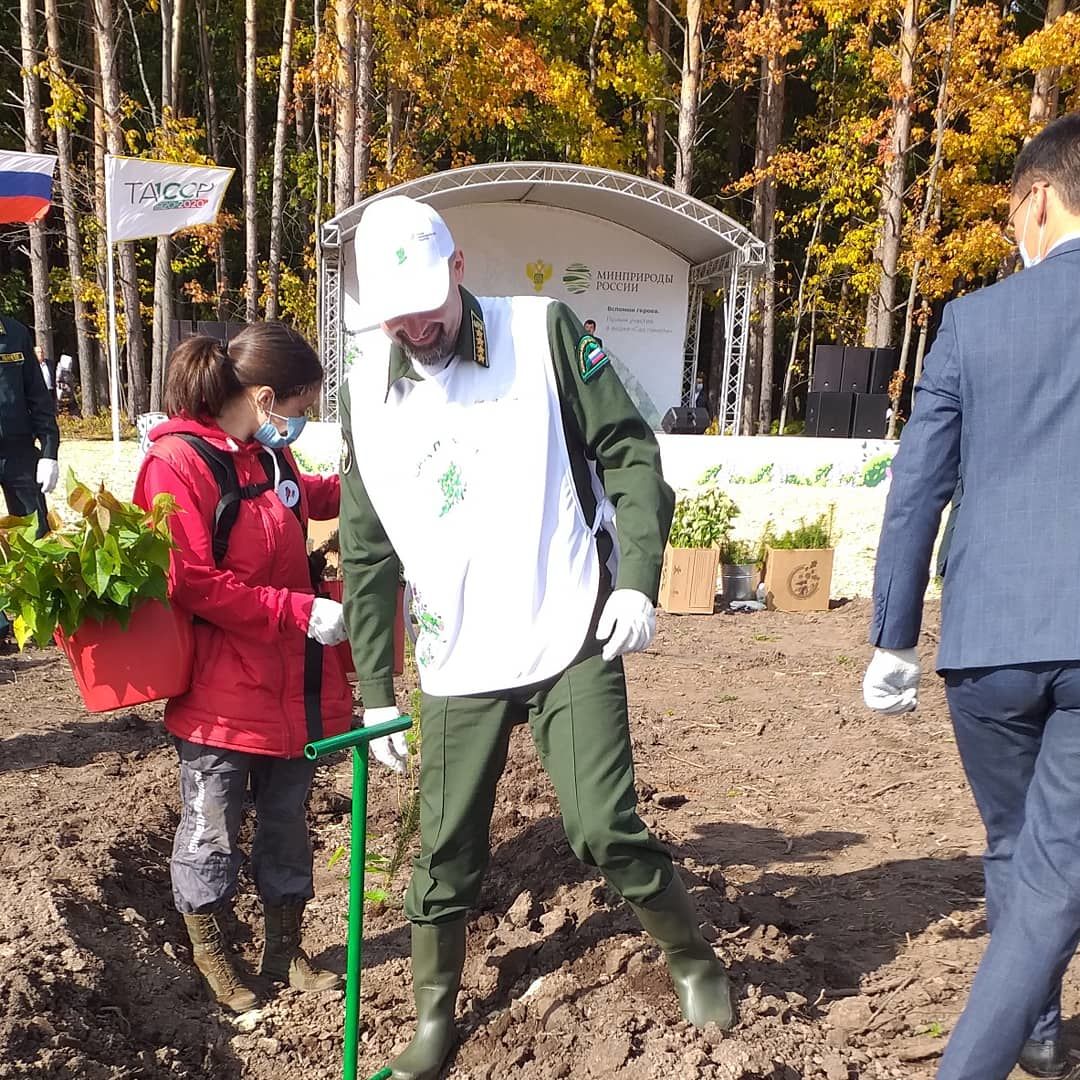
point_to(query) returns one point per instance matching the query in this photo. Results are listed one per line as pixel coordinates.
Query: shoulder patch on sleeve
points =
(479, 335)
(591, 357)
(346, 455)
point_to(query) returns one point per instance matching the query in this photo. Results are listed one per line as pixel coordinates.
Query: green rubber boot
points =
(438, 955)
(698, 976)
(284, 959)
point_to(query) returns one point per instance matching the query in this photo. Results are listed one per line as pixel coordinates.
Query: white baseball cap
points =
(403, 250)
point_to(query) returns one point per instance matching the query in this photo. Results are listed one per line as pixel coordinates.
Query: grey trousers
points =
(205, 858)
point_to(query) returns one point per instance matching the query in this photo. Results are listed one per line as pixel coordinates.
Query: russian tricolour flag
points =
(25, 186)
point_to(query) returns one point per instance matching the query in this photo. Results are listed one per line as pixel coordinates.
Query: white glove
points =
(391, 750)
(48, 472)
(891, 683)
(627, 623)
(327, 622)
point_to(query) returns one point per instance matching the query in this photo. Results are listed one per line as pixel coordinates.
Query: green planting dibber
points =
(357, 741)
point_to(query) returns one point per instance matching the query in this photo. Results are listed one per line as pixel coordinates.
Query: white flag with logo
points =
(157, 198)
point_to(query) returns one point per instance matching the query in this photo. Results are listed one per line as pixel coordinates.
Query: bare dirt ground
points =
(832, 853)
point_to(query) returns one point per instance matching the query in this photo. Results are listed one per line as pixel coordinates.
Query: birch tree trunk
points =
(1044, 97)
(689, 98)
(929, 198)
(39, 252)
(881, 313)
(83, 338)
(221, 265)
(280, 130)
(395, 120)
(757, 396)
(106, 37)
(345, 145)
(251, 165)
(365, 93)
(658, 42)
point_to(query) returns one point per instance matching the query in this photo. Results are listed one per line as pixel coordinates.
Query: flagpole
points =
(114, 352)
(114, 359)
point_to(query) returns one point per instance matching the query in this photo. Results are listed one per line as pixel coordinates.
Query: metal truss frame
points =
(738, 298)
(693, 336)
(330, 328)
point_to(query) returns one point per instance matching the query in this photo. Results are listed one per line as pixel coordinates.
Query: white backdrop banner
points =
(634, 289)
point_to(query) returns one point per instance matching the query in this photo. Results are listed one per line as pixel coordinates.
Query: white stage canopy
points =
(631, 254)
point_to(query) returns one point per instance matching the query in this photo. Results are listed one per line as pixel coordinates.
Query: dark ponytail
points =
(204, 373)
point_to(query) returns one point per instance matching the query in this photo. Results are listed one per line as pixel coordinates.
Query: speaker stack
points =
(179, 329)
(849, 393)
(680, 420)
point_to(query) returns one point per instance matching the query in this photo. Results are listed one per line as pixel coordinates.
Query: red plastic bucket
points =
(116, 668)
(335, 590)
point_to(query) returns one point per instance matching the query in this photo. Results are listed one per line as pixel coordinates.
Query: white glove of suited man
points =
(627, 623)
(327, 622)
(891, 683)
(48, 472)
(391, 750)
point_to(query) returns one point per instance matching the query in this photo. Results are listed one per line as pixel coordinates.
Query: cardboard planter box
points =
(688, 580)
(798, 580)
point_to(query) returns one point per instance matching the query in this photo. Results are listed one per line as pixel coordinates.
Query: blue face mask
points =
(270, 437)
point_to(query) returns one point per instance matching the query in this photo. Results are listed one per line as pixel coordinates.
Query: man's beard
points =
(431, 355)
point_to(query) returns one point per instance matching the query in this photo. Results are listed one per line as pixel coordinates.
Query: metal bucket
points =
(738, 582)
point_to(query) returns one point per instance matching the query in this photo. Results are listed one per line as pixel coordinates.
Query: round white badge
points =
(288, 493)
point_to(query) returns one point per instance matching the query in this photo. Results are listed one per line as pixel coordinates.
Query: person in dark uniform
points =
(29, 436)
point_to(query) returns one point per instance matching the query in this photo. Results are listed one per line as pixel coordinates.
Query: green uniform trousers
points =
(581, 729)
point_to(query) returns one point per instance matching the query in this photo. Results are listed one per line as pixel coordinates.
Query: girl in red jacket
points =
(255, 697)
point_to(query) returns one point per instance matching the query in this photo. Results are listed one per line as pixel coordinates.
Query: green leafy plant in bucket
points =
(702, 520)
(739, 553)
(115, 556)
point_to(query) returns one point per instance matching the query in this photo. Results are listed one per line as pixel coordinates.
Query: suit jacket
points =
(999, 402)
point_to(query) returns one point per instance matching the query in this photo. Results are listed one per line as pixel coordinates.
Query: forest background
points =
(868, 144)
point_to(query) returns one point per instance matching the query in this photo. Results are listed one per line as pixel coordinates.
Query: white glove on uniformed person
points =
(48, 472)
(627, 623)
(391, 750)
(327, 622)
(891, 683)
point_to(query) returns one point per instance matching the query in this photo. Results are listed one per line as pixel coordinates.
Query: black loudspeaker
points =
(829, 415)
(883, 365)
(856, 377)
(680, 420)
(871, 419)
(828, 368)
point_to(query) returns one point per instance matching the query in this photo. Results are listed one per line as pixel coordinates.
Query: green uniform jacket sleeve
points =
(623, 448)
(372, 573)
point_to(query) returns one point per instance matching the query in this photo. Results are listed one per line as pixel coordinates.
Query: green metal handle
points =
(357, 737)
(358, 741)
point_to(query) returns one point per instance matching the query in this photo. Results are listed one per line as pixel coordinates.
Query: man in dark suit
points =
(1001, 396)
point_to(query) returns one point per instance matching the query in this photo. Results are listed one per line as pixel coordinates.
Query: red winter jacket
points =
(247, 688)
